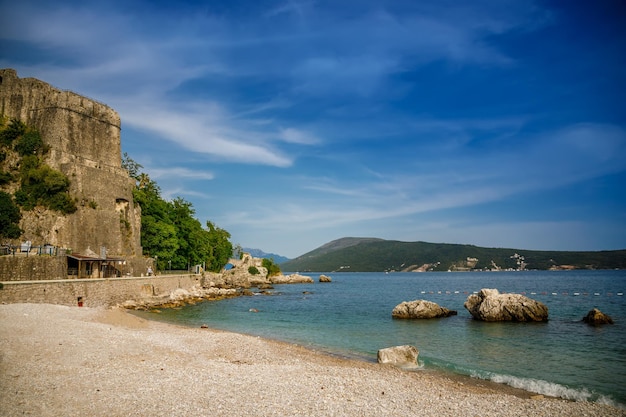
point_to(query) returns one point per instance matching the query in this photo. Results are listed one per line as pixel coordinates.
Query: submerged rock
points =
(490, 305)
(403, 356)
(420, 309)
(595, 317)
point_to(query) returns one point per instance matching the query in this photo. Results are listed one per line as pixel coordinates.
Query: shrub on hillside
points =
(9, 217)
(30, 143)
(5, 178)
(12, 131)
(272, 268)
(43, 186)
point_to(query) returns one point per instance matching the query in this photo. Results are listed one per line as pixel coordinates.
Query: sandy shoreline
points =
(62, 361)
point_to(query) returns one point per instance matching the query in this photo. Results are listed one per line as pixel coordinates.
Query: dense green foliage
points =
(40, 185)
(9, 218)
(30, 143)
(272, 268)
(220, 246)
(43, 186)
(169, 231)
(11, 131)
(253, 270)
(5, 177)
(375, 255)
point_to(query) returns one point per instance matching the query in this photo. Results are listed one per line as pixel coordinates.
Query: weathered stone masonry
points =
(42, 268)
(93, 292)
(84, 140)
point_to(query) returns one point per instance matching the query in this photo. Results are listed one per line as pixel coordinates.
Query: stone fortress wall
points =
(85, 144)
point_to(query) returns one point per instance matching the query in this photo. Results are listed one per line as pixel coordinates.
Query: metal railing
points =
(173, 271)
(27, 249)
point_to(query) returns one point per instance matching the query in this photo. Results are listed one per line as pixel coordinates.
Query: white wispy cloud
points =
(548, 161)
(137, 66)
(171, 193)
(178, 172)
(206, 129)
(296, 7)
(293, 135)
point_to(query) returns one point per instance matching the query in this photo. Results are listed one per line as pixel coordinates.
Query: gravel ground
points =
(70, 361)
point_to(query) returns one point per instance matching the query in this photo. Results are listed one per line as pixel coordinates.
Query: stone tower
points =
(84, 140)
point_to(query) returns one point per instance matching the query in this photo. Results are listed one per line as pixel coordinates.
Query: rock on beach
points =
(402, 356)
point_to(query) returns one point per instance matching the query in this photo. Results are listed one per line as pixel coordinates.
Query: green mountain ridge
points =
(353, 254)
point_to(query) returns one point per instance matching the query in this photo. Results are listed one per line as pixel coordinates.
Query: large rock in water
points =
(290, 279)
(404, 356)
(490, 305)
(595, 317)
(325, 278)
(420, 309)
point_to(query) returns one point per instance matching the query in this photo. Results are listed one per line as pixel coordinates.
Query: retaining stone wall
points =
(102, 292)
(46, 267)
(32, 267)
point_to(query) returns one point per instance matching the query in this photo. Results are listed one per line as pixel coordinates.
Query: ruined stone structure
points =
(240, 274)
(84, 140)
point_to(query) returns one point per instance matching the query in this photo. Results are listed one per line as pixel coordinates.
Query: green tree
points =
(131, 166)
(159, 240)
(170, 231)
(193, 241)
(9, 217)
(211, 247)
(221, 248)
(272, 268)
(158, 233)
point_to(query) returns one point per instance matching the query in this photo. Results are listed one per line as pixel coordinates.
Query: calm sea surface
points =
(352, 316)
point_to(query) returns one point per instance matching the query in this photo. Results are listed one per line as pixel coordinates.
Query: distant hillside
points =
(377, 255)
(258, 253)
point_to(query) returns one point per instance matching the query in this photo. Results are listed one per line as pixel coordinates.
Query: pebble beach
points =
(64, 361)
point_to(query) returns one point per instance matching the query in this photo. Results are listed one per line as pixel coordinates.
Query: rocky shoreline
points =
(59, 360)
(199, 293)
(245, 274)
(180, 297)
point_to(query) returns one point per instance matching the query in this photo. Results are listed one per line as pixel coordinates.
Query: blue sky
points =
(293, 123)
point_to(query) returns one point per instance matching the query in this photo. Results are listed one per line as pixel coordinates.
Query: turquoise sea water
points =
(351, 316)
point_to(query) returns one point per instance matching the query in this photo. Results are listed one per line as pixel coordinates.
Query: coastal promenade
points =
(60, 360)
